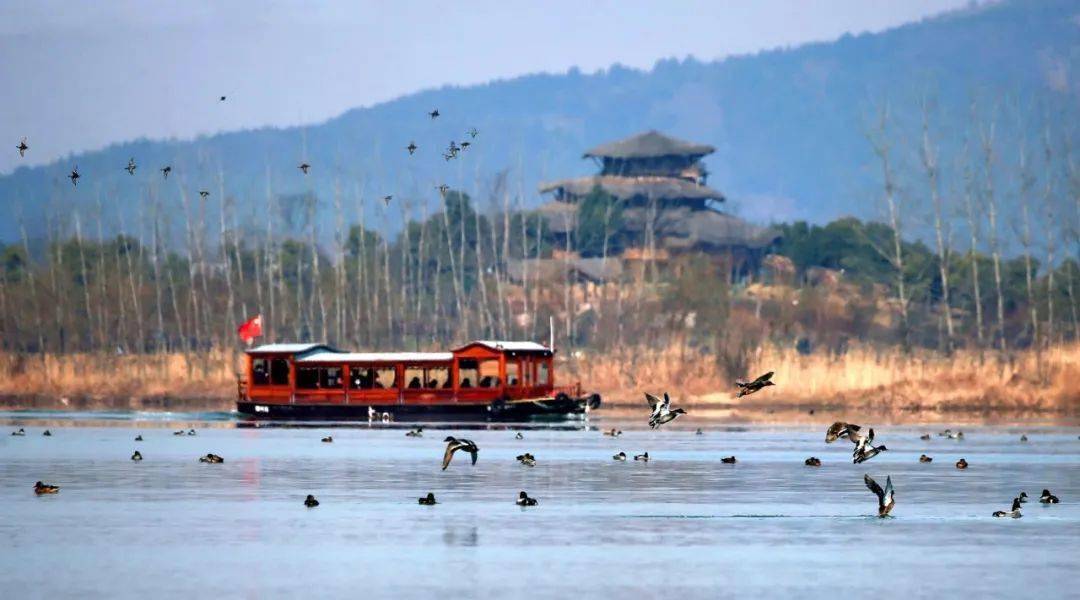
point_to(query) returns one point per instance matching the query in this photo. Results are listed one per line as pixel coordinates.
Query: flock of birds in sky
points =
(660, 414)
(452, 151)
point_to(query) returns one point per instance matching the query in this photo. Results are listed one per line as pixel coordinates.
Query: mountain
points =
(789, 126)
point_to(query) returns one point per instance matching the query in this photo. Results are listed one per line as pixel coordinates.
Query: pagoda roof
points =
(624, 188)
(647, 145)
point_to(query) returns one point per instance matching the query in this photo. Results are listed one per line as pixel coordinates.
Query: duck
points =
(813, 461)
(131, 166)
(961, 464)
(925, 436)
(524, 499)
(212, 459)
(191, 432)
(613, 432)
(841, 429)
(947, 433)
(303, 167)
(527, 459)
(699, 432)
(310, 501)
(749, 387)
(44, 488)
(642, 457)
(137, 456)
(885, 497)
(1014, 512)
(1023, 497)
(22, 147)
(453, 445)
(46, 433)
(925, 459)
(1023, 438)
(519, 436)
(19, 432)
(434, 114)
(74, 177)
(661, 410)
(411, 148)
(418, 432)
(138, 438)
(959, 435)
(728, 460)
(428, 500)
(865, 448)
(1048, 498)
(619, 456)
(328, 439)
(181, 432)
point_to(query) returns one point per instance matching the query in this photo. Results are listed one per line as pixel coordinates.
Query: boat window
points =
(468, 373)
(372, 378)
(527, 371)
(543, 373)
(414, 378)
(330, 378)
(438, 378)
(489, 373)
(260, 371)
(512, 373)
(279, 371)
(307, 378)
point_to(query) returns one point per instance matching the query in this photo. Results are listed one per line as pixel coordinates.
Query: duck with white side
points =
(485, 380)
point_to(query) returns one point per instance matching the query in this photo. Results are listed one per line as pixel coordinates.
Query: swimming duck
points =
(959, 435)
(699, 432)
(613, 433)
(619, 456)
(47, 433)
(885, 499)
(525, 500)
(310, 501)
(44, 488)
(20, 432)
(661, 410)
(961, 464)
(453, 445)
(418, 432)
(749, 387)
(1023, 438)
(1048, 498)
(191, 432)
(138, 438)
(813, 461)
(428, 500)
(1023, 497)
(642, 457)
(328, 439)
(212, 459)
(729, 460)
(925, 459)
(527, 459)
(519, 436)
(925, 436)
(947, 433)
(1014, 512)
(136, 457)
(181, 432)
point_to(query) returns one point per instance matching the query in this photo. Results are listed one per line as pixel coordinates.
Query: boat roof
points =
(375, 357)
(288, 348)
(510, 345)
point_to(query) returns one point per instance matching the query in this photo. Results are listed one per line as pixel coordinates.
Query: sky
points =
(79, 75)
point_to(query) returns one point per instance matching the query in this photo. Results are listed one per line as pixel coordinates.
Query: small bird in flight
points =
(885, 500)
(465, 145)
(304, 167)
(74, 177)
(453, 445)
(204, 194)
(166, 170)
(473, 132)
(411, 148)
(22, 147)
(443, 188)
(131, 166)
(749, 387)
(387, 199)
(434, 114)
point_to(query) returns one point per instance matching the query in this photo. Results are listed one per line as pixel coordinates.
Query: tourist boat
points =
(488, 380)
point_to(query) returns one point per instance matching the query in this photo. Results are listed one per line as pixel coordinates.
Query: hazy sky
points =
(79, 75)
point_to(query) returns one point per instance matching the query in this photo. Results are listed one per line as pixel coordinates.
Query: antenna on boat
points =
(551, 332)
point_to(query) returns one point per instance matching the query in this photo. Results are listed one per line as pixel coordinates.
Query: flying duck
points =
(865, 449)
(728, 460)
(428, 500)
(961, 464)
(434, 114)
(613, 432)
(411, 148)
(166, 170)
(137, 456)
(46, 433)
(453, 445)
(641, 457)
(473, 132)
(130, 168)
(44, 488)
(841, 429)
(925, 459)
(661, 410)
(22, 147)
(304, 168)
(527, 459)
(328, 439)
(1048, 498)
(749, 387)
(20, 432)
(885, 500)
(524, 499)
(138, 438)
(74, 177)
(310, 501)
(813, 461)
(443, 188)
(619, 456)
(212, 459)
(386, 199)
(519, 436)
(204, 194)
(418, 432)
(1014, 512)
(1023, 497)
(465, 145)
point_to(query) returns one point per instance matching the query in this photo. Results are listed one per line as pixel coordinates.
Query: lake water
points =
(683, 525)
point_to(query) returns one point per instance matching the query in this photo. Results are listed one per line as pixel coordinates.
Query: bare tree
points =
(986, 136)
(931, 167)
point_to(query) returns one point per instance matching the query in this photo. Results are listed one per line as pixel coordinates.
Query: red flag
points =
(250, 330)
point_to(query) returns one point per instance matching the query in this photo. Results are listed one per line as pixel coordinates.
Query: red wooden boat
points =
(490, 380)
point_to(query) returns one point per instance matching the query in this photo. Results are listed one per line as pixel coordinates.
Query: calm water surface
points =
(682, 525)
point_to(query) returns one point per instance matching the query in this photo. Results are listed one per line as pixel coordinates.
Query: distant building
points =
(667, 205)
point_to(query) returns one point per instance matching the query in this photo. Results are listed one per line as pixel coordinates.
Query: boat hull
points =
(562, 407)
